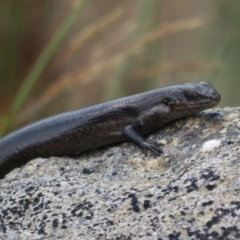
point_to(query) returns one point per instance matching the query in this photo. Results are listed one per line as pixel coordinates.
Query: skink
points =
(128, 118)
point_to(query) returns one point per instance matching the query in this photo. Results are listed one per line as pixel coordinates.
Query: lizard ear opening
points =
(168, 101)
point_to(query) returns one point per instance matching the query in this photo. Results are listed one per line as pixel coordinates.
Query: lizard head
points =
(193, 97)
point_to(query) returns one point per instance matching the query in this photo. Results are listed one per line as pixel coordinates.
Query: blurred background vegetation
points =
(62, 55)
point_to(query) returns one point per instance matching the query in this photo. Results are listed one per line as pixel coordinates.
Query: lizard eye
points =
(189, 96)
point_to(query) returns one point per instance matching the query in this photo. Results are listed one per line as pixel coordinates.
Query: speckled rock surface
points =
(190, 192)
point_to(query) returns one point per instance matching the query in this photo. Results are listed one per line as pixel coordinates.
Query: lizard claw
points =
(151, 147)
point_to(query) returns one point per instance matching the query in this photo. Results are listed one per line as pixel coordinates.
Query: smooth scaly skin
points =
(126, 118)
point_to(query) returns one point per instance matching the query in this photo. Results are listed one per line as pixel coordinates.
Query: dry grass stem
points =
(167, 29)
(92, 29)
(175, 67)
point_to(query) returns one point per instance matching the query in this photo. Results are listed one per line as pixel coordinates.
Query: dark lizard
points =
(127, 118)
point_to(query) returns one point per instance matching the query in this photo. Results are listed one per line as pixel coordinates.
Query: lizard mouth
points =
(212, 97)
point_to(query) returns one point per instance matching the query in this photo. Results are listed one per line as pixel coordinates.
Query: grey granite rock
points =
(190, 192)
